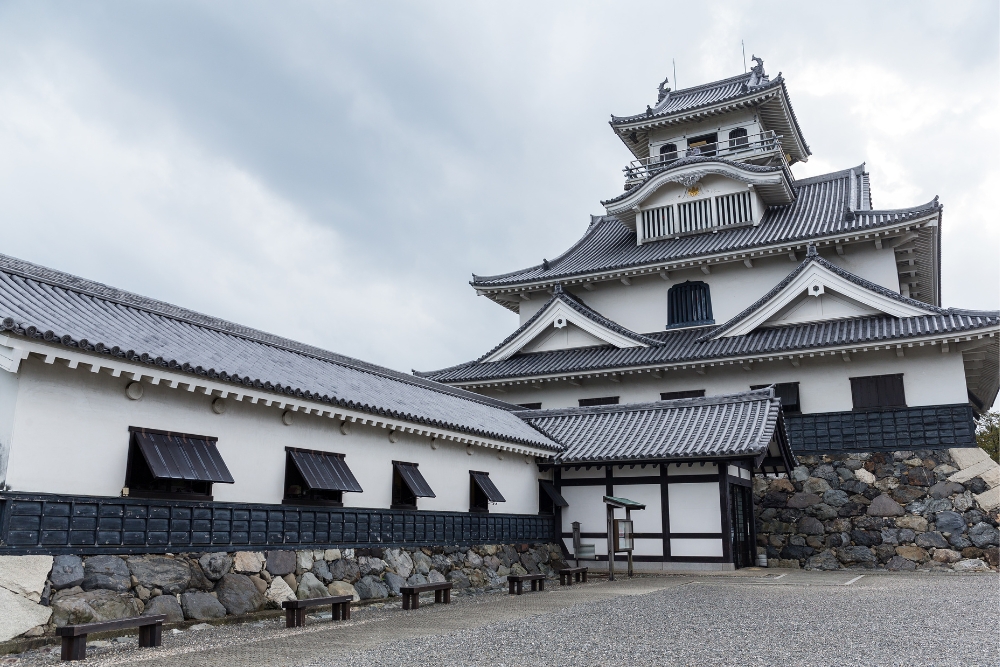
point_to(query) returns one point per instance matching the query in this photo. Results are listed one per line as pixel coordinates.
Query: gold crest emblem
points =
(693, 191)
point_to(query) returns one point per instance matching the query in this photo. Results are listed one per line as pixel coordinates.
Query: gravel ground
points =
(801, 618)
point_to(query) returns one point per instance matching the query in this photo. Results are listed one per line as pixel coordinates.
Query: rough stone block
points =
(279, 563)
(279, 592)
(947, 556)
(970, 565)
(310, 587)
(238, 594)
(917, 523)
(885, 506)
(303, 561)
(93, 606)
(343, 588)
(916, 554)
(168, 574)
(166, 605)
(215, 565)
(815, 485)
(331, 554)
(977, 470)
(371, 587)
(248, 562)
(106, 572)
(67, 571)
(201, 606)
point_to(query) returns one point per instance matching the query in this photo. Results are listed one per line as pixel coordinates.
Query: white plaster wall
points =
(561, 339)
(929, 378)
(696, 547)
(70, 436)
(586, 505)
(694, 507)
(8, 404)
(643, 521)
(679, 134)
(675, 469)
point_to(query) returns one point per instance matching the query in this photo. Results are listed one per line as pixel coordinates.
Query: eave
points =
(509, 295)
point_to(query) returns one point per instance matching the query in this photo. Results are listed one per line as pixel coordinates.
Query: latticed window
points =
(689, 303)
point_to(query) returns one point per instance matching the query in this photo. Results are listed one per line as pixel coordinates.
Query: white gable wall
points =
(929, 378)
(561, 339)
(70, 436)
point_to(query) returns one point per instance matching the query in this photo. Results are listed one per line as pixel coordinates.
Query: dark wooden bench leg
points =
(335, 611)
(406, 601)
(438, 596)
(415, 603)
(541, 584)
(74, 648)
(347, 611)
(447, 596)
(510, 586)
(150, 635)
(584, 577)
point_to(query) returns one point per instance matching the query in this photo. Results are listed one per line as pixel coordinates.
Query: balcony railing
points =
(737, 147)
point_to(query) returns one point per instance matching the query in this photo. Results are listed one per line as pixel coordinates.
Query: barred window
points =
(738, 137)
(688, 304)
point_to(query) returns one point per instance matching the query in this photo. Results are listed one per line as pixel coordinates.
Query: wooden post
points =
(611, 543)
(628, 517)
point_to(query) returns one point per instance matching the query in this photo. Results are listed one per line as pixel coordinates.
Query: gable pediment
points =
(817, 294)
(562, 324)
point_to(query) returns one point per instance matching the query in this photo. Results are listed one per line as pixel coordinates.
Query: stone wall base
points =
(904, 510)
(40, 593)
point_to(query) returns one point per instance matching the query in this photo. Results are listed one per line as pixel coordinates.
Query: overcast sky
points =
(335, 172)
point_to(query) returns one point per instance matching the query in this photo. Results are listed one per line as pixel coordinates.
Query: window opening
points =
(530, 406)
(689, 393)
(162, 464)
(878, 391)
(738, 137)
(689, 304)
(604, 400)
(705, 145)
(788, 392)
(408, 485)
(482, 492)
(549, 498)
(317, 478)
(668, 152)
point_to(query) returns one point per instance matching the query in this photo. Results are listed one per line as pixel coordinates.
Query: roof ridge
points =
(59, 279)
(830, 176)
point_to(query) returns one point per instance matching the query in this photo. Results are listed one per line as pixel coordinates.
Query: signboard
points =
(623, 535)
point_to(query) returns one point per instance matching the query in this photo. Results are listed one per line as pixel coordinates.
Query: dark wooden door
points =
(741, 514)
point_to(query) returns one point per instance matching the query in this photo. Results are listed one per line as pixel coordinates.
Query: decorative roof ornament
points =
(664, 91)
(757, 76)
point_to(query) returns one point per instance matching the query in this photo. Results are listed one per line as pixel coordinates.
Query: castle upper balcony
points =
(738, 146)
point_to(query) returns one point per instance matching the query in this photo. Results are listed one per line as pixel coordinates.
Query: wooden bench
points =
(516, 581)
(411, 594)
(295, 610)
(567, 573)
(74, 637)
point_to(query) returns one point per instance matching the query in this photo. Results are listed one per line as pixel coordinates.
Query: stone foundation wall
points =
(921, 510)
(40, 593)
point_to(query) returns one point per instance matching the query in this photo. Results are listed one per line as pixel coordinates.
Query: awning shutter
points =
(551, 492)
(414, 480)
(175, 456)
(486, 485)
(324, 471)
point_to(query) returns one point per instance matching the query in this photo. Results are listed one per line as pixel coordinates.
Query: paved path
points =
(750, 618)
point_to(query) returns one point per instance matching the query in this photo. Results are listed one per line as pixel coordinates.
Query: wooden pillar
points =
(628, 517)
(611, 543)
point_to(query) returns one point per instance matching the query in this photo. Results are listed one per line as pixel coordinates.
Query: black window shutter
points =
(689, 303)
(890, 390)
(878, 391)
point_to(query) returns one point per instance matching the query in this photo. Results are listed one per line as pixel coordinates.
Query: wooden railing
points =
(764, 142)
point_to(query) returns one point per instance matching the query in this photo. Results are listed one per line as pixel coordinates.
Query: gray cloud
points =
(335, 172)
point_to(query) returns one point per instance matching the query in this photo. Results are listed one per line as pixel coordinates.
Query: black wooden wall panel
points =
(884, 430)
(52, 524)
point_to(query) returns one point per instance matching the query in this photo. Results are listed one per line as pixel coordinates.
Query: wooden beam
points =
(748, 263)
(626, 281)
(706, 270)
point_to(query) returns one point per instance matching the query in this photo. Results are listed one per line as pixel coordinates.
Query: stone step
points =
(979, 469)
(967, 457)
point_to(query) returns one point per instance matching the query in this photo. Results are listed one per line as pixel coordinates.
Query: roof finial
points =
(545, 264)
(664, 90)
(811, 251)
(557, 288)
(757, 76)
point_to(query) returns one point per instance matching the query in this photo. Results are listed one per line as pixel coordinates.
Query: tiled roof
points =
(683, 346)
(61, 309)
(688, 99)
(733, 425)
(812, 257)
(821, 209)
